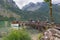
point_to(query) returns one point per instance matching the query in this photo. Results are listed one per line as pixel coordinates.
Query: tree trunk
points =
(51, 16)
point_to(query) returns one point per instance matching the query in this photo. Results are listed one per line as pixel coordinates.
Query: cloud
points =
(21, 3)
(56, 1)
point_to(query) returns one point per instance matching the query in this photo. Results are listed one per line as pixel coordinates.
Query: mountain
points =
(36, 11)
(35, 6)
(42, 13)
(32, 6)
(9, 9)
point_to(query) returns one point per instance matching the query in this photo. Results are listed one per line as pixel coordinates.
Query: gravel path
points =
(34, 37)
(33, 33)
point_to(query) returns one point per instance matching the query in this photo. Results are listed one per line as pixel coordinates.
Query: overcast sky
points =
(21, 3)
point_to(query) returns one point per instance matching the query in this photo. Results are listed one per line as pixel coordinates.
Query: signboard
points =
(16, 26)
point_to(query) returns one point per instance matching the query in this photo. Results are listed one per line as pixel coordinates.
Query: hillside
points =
(39, 11)
(8, 8)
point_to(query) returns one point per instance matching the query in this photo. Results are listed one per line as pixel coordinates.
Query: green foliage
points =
(11, 19)
(17, 35)
(2, 24)
(46, 0)
(1, 18)
(6, 18)
(40, 35)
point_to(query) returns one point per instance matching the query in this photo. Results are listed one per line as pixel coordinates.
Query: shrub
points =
(40, 35)
(17, 35)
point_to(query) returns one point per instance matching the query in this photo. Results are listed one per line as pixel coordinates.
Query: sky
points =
(21, 3)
